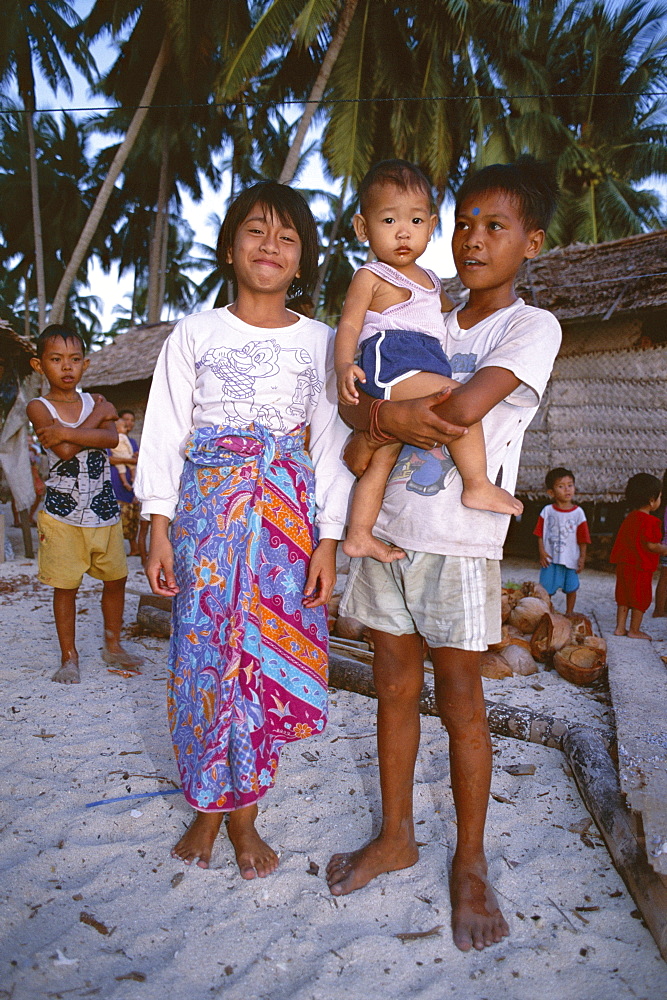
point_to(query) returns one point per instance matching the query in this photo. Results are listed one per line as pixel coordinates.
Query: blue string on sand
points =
(139, 795)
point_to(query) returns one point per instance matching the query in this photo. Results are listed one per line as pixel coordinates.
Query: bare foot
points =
(639, 635)
(659, 614)
(68, 671)
(359, 543)
(196, 844)
(115, 655)
(620, 631)
(476, 918)
(253, 855)
(347, 872)
(489, 497)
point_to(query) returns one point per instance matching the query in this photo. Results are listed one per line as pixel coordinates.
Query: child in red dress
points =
(635, 552)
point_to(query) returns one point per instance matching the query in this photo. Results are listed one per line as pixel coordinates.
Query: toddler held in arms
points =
(393, 312)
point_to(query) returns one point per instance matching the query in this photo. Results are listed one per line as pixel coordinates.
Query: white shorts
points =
(451, 601)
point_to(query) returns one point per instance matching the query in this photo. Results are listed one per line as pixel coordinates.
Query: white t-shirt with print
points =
(422, 507)
(562, 532)
(215, 370)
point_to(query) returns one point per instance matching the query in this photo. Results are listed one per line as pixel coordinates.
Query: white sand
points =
(178, 932)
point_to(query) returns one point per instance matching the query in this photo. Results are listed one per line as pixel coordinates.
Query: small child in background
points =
(123, 450)
(636, 553)
(660, 606)
(562, 537)
(393, 313)
(79, 525)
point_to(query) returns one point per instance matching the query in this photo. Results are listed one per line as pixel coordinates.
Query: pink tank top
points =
(422, 312)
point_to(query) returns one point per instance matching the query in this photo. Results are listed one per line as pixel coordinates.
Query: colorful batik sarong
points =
(248, 663)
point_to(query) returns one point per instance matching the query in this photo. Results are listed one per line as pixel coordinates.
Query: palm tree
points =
(40, 31)
(66, 182)
(601, 121)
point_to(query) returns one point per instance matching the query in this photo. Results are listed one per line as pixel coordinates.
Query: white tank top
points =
(422, 312)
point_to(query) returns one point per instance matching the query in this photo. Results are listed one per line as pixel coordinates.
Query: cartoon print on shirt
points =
(430, 472)
(238, 370)
(308, 386)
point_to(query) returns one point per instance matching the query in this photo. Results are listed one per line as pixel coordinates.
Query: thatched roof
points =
(16, 346)
(130, 358)
(586, 282)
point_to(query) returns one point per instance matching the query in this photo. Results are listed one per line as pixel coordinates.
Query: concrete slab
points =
(638, 685)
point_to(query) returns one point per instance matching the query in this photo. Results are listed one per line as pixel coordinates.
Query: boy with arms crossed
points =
(79, 525)
(447, 588)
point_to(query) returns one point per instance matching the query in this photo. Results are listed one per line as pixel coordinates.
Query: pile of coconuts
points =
(535, 637)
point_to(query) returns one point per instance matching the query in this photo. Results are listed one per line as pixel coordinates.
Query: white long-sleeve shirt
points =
(215, 370)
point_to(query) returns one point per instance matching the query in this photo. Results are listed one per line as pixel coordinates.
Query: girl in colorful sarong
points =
(223, 460)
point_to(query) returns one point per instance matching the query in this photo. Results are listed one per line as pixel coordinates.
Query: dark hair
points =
(531, 184)
(292, 210)
(126, 410)
(57, 330)
(553, 475)
(405, 176)
(642, 489)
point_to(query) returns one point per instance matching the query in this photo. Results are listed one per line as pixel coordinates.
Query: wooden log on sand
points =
(600, 789)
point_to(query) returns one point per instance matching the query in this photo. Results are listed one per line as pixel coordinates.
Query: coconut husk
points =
(579, 664)
(518, 658)
(581, 625)
(552, 632)
(494, 666)
(505, 607)
(594, 642)
(530, 589)
(527, 614)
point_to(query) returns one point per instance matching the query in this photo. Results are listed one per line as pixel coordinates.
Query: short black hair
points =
(126, 409)
(57, 330)
(530, 183)
(642, 490)
(553, 475)
(405, 176)
(292, 209)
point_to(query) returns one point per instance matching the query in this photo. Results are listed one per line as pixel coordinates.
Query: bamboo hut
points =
(122, 371)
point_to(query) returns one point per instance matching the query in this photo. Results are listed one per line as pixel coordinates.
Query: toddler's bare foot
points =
(253, 855)
(68, 671)
(360, 543)
(347, 872)
(196, 844)
(476, 918)
(639, 635)
(115, 655)
(489, 497)
(620, 631)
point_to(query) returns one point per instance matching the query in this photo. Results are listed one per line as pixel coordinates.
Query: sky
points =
(110, 289)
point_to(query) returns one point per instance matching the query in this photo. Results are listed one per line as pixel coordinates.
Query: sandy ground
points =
(93, 904)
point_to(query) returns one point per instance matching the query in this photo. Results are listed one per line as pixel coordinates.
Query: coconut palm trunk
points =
(316, 94)
(60, 299)
(157, 259)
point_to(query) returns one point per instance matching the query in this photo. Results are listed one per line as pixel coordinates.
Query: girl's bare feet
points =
(347, 872)
(68, 671)
(620, 631)
(196, 844)
(476, 918)
(253, 856)
(638, 635)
